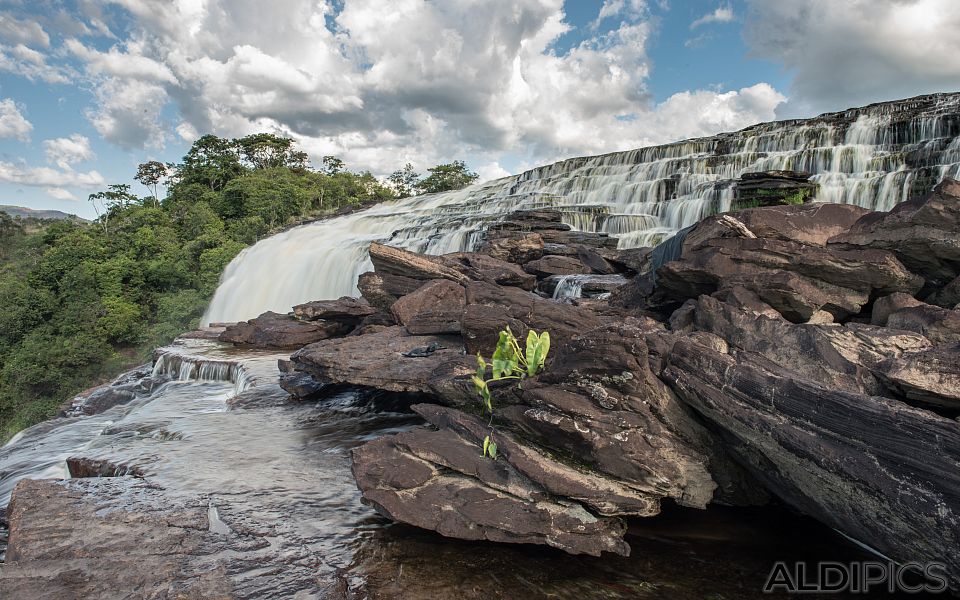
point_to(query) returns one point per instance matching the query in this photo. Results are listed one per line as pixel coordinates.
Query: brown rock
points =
(381, 290)
(492, 270)
(555, 265)
(884, 307)
(346, 309)
(513, 246)
(388, 359)
(948, 296)
(273, 330)
(931, 376)
(395, 261)
(436, 307)
(850, 460)
(941, 325)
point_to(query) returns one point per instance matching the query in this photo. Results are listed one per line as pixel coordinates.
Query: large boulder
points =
(436, 307)
(381, 290)
(924, 234)
(555, 265)
(273, 330)
(513, 246)
(396, 261)
(439, 480)
(880, 471)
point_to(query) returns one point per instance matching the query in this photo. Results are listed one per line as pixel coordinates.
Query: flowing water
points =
(216, 425)
(875, 156)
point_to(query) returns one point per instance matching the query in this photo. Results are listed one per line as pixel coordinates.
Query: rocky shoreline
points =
(804, 354)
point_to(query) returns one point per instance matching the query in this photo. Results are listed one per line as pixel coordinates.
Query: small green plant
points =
(509, 361)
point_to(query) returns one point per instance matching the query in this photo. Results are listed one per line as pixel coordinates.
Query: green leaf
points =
(533, 349)
(481, 366)
(492, 449)
(544, 347)
(486, 445)
(478, 383)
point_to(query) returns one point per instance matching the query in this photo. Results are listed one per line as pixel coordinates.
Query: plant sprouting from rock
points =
(509, 361)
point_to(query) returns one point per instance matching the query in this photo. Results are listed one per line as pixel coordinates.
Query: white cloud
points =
(61, 194)
(859, 51)
(27, 62)
(385, 82)
(68, 151)
(12, 122)
(22, 31)
(46, 177)
(722, 14)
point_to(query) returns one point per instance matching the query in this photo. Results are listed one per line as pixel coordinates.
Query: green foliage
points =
(509, 361)
(446, 177)
(83, 302)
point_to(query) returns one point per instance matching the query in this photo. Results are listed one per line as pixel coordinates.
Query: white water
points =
(875, 157)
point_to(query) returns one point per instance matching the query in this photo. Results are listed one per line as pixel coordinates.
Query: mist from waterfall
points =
(874, 157)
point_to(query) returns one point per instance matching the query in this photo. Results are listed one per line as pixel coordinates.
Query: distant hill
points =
(24, 213)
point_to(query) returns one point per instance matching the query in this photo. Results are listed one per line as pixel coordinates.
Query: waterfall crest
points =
(875, 156)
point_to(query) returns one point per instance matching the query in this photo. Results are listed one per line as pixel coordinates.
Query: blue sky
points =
(91, 88)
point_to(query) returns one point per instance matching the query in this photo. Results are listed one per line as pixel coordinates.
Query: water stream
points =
(875, 156)
(281, 468)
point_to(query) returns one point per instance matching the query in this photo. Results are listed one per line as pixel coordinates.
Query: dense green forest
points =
(84, 301)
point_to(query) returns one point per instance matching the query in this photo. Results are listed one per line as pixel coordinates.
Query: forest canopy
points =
(85, 301)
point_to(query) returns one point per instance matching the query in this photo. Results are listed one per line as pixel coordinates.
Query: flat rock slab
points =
(388, 359)
(273, 330)
(347, 309)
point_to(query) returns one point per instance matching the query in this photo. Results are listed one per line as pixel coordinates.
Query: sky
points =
(91, 88)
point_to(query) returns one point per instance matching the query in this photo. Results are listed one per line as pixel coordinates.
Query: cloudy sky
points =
(91, 88)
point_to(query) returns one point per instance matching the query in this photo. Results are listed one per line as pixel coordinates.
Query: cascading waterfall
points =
(182, 367)
(876, 157)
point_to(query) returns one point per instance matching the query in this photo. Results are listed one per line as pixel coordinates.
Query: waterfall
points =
(876, 157)
(185, 367)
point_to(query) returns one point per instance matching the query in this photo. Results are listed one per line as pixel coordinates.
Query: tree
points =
(211, 162)
(446, 177)
(332, 165)
(105, 203)
(149, 174)
(404, 181)
(266, 151)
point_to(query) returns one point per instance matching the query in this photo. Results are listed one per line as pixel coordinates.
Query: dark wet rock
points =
(591, 286)
(121, 390)
(533, 220)
(301, 385)
(490, 308)
(434, 308)
(381, 290)
(843, 357)
(395, 261)
(555, 265)
(580, 238)
(796, 279)
(513, 246)
(492, 269)
(594, 262)
(630, 259)
(346, 309)
(884, 307)
(773, 188)
(377, 360)
(80, 467)
(941, 325)
(930, 376)
(402, 485)
(924, 234)
(273, 330)
(948, 296)
(876, 469)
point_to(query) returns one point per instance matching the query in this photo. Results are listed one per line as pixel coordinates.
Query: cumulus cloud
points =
(68, 151)
(45, 177)
(22, 31)
(12, 122)
(385, 82)
(722, 14)
(61, 194)
(860, 51)
(26, 62)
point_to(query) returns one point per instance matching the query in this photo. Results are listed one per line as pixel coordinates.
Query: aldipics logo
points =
(857, 578)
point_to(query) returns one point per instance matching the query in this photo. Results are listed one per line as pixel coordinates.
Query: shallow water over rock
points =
(271, 479)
